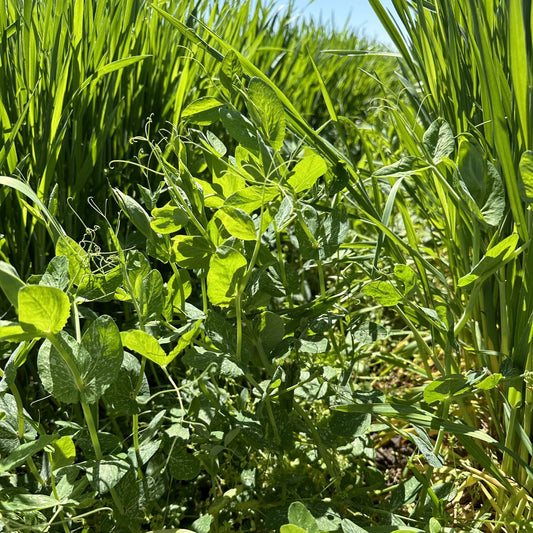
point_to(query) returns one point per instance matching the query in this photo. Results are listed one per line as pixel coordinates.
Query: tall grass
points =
(473, 65)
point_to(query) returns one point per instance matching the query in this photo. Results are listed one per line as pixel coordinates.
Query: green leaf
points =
(135, 212)
(201, 359)
(78, 258)
(152, 299)
(446, 387)
(369, 333)
(46, 309)
(9, 425)
(183, 466)
(271, 330)
(56, 375)
(192, 251)
(304, 175)
(482, 181)
(349, 527)
(240, 128)
(144, 344)
(407, 276)
(100, 357)
(439, 140)
(122, 396)
(489, 382)
(168, 219)
(425, 446)
(100, 287)
(349, 425)
(203, 111)
(202, 524)
(57, 274)
(24, 502)
(383, 292)
(526, 176)
(10, 282)
(289, 528)
(230, 70)
(495, 257)
(220, 331)
(252, 198)
(404, 167)
(105, 474)
(271, 111)
(24, 452)
(14, 332)
(64, 452)
(300, 516)
(226, 270)
(179, 288)
(238, 223)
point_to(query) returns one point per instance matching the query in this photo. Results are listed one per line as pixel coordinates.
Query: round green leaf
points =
(44, 308)
(183, 466)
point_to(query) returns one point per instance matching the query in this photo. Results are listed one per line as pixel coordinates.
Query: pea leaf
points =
(306, 172)
(290, 528)
(13, 331)
(238, 223)
(46, 309)
(64, 452)
(183, 466)
(230, 70)
(226, 270)
(270, 110)
(300, 516)
(78, 258)
(121, 396)
(482, 181)
(144, 344)
(168, 219)
(9, 436)
(55, 374)
(24, 502)
(203, 111)
(20, 455)
(239, 127)
(100, 357)
(105, 474)
(404, 167)
(152, 298)
(439, 140)
(57, 274)
(407, 276)
(191, 251)
(383, 292)
(10, 282)
(495, 257)
(252, 198)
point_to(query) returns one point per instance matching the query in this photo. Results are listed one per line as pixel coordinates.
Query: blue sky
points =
(358, 12)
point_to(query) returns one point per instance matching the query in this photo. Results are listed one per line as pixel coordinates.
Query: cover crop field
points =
(261, 274)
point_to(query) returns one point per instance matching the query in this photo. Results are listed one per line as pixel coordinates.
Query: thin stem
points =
(238, 351)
